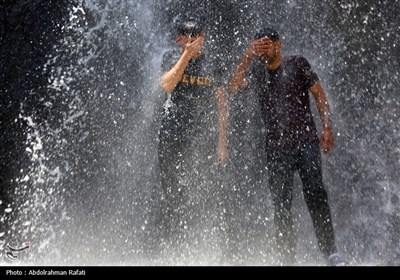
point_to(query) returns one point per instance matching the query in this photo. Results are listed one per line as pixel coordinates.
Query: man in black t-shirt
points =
(282, 84)
(193, 130)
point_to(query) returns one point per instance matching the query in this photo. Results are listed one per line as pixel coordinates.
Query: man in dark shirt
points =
(193, 130)
(282, 85)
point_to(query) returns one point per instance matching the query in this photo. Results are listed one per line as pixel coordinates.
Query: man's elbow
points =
(167, 88)
(236, 85)
(233, 88)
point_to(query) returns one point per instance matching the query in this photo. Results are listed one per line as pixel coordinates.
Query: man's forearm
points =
(222, 106)
(324, 112)
(238, 78)
(170, 79)
(327, 139)
(322, 105)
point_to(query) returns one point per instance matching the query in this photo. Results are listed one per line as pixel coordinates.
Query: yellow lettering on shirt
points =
(200, 81)
(196, 80)
(185, 79)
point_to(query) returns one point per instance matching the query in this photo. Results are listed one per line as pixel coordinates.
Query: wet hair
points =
(267, 32)
(189, 28)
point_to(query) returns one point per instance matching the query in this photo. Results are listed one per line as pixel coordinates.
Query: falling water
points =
(85, 190)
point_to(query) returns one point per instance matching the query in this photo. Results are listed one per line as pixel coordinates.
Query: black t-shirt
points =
(192, 104)
(285, 103)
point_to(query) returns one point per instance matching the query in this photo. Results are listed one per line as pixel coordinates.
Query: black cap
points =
(189, 28)
(269, 33)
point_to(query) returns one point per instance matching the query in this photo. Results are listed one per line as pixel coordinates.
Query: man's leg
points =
(316, 198)
(280, 173)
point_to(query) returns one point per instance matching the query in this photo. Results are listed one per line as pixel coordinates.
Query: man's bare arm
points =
(238, 80)
(222, 107)
(327, 139)
(171, 78)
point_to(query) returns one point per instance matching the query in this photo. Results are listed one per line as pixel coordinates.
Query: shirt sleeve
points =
(309, 76)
